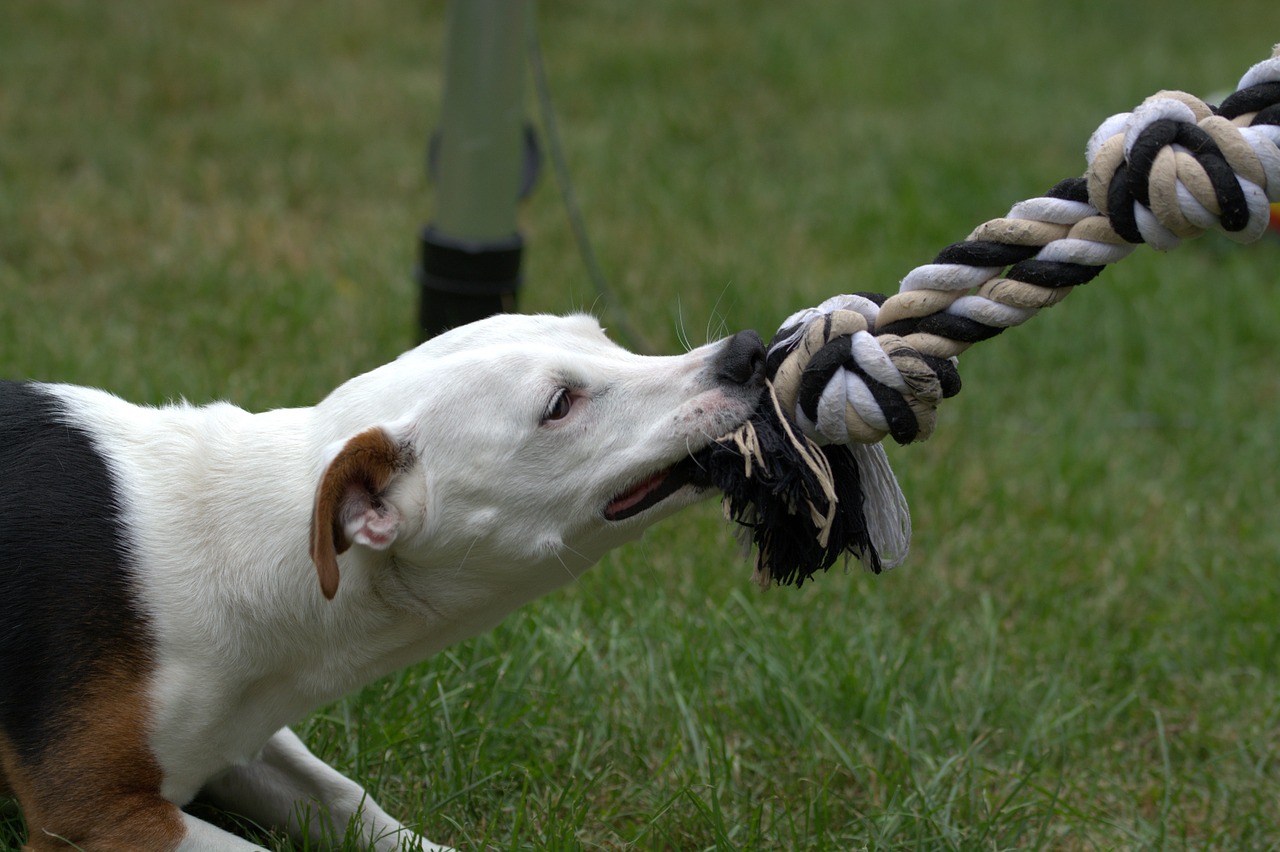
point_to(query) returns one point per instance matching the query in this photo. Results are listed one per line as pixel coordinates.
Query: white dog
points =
(178, 584)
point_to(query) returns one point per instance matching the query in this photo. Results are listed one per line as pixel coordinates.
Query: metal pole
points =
(471, 251)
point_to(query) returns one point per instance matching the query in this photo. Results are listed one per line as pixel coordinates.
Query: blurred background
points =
(209, 201)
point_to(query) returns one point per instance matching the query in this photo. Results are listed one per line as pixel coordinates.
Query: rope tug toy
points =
(807, 478)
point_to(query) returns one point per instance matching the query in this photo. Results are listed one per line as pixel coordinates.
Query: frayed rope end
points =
(803, 506)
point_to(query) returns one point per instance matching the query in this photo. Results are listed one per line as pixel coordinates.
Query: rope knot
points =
(1177, 167)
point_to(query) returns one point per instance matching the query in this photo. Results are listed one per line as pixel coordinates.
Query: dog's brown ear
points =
(349, 506)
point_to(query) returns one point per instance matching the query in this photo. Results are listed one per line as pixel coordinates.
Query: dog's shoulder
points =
(65, 566)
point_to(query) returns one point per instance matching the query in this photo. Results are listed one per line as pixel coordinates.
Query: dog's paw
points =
(406, 841)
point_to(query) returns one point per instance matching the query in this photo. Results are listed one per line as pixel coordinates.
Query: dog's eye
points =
(560, 406)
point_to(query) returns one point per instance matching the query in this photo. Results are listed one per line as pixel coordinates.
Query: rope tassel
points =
(804, 507)
(807, 477)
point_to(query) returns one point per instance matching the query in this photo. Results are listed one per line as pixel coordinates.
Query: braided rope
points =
(861, 367)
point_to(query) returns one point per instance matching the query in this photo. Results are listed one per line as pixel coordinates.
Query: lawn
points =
(210, 201)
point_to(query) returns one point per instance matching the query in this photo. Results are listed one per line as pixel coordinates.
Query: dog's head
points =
(513, 452)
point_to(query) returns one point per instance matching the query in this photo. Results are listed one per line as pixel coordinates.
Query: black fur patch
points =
(66, 608)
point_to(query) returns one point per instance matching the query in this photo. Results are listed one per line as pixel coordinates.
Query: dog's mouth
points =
(653, 489)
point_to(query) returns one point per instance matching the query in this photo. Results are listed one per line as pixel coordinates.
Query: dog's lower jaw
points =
(681, 481)
(648, 492)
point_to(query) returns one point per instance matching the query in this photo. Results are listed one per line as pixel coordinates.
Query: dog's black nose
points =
(741, 361)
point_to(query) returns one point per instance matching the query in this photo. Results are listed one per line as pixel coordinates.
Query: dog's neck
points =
(259, 641)
(271, 620)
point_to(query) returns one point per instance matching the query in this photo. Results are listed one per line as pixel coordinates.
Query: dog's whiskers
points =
(573, 578)
(463, 561)
(721, 328)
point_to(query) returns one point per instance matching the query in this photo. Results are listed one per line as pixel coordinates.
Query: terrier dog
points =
(179, 584)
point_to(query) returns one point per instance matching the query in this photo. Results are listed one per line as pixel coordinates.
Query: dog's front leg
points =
(204, 837)
(287, 786)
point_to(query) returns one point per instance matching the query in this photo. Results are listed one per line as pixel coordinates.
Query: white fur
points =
(497, 508)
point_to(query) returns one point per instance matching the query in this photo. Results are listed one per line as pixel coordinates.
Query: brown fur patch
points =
(367, 463)
(98, 786)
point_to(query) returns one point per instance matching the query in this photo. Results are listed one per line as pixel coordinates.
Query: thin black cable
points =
(577, 223)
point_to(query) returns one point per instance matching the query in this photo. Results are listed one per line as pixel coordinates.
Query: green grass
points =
(221, 201)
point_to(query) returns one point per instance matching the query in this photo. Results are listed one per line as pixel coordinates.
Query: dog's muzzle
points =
(740, 365)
